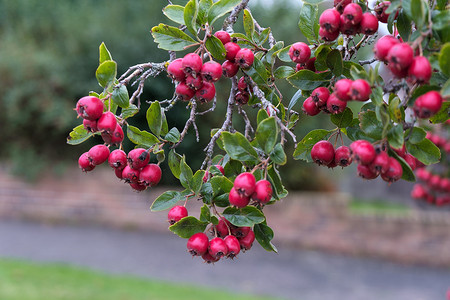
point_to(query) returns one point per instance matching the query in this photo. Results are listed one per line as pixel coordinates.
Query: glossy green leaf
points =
(303, 150)
(283, 72)
(445, 92)
(215, 47)
(418, 10)
(246, 216)
(308, 80)
(78, 135)
(441, 20)
(249, 23)
(264, 236)
(173, 136)
(205, 214)
(404, 25)
(396, 110)
(294, 99)
(261, 38)
(262, 115)
(221, 185)
(167, 200)
(190, 16)
(370, 125)
(258, 72)
(203, 8)
(154, 118)
(278, 188)
(267, 134)
(129, 112)
(120, 96)
(358, 73)
(143, 138)
(171, 38)
(238, 147)
(220, 8)
(174, 13)
(174, 163)
(442, 115)
(309, 16)
(395, 136)
(415, 135)
(425, 151)
(277, 155)
(348, 65)
(106, 73)
(197, 181)
(344, 119)
(444, 59)
(104, 54)
(188, 226)
(377, 96)
(334, 62)
(185, 174)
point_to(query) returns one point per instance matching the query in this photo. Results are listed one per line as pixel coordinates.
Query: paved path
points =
(304, 275)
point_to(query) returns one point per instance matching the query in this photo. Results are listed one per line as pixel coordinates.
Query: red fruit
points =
(342, 89)
(419, 192)
(329, 20)
(209, 259)
(328, 36)
(137, 186)
(242, 97)
(299, 52)
(263, 191)
(89, 107)
(363, 152)
(342, 156)
(310, 64)
(428, 104)
(219, 167)
(206, 93)
(320, 96)
(366, 172)
(116, 135)
(150, 175)
(233, 246)
(224, 227)
(443, 200)
(411, 161)
(117, 159)
(247, 241)
(130, 175)
(369, 24)
(352, 14)
(444, 185)
(223, 36)
(310, 107)
(98, 154)
(237, 199)
(335, 105)
(401, 152)
(394, 172)
(348, 28)
(118, 173)
(245, 183)
(322, 153)
(107, 122)
(244, 58)
(211, 71)
(341, 4)
(194, 83)
(176, 213)
(90, 125)
(192, 64)
(229, 69)
(380, 11)
(434, 182)
(360, 90)
(85, 163)
(217, 247)
(423, 174)
(138, 158)
(381, 163)
(175, 70)
(383, 45)
(240, 232)
(184, 92)
(399, 58)
(419, 71)
(242, 85)
(197, 244)
(232, 49)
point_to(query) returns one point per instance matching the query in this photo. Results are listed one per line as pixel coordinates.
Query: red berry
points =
(380, 11)
(85, 162)
(263, 191)
(419, 71)
(352, 14)
(411, 161)
(369, 24)
(150, 175)
(118, 173)
(419, 192)
(130, 175)
(229, 69)
(176, 213)
(240, 232)
(89, 107)
(363, 152)
(175, 70)
(320, 96)
(348, 28)
(211, 71)
(116, 135)
(197, 244)
(335, 105)
(399, 58)
(328, 36)
(360, 90)
(444, 185)
(329, 20)
(242, 97)
(342, 156)
(137, 186)
(184, 92)
(242, 84)
(247, 241)
(138, 158)
(233, 246)
(194, 83)
(366, 172)
(310, 107)
(434, 182)
(394, 172)
(90, 125)
(217, 248)
(209, 259)
(341, 4)
(219, 167)
(192, 64)
(206, 93)
(244, 58)
(310, 64)
(383, 45)
(401, 152)
(107, 122)
(224, 227)
(342, 89)
(98, 154)
(423, 174)
(223, 36)
(380, 164)
(237, 199)
(117, 159)
(428, 104)
(299, 52)
(232, 49)
(322, 153)
(244, 184)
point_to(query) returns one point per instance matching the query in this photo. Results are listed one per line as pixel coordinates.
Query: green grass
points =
(20, 280)
(376, 206)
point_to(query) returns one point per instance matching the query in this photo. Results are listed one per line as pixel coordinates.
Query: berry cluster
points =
(324, 154)
(236, 57)
(434, 189)
(246, 188)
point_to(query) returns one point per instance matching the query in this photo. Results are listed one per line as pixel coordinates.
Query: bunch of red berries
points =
(324, 154)
(300, 53)
(243, 94)
(246, 188)
(433, 189)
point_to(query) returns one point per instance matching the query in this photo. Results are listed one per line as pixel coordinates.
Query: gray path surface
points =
(304, 275)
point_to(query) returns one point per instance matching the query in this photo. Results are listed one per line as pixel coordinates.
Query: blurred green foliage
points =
(48, 58)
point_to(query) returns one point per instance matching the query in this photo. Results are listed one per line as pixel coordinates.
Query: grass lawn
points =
(21, 280)
(376, 206)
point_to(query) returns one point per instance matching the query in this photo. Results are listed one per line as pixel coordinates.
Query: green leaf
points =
(370, 125)
(358, 73)
(309, 16)
(425, 151)
(258, 72)
(166, 200)
(444, 59)
(408, 174)
(171, 38)
(446, 89)
(274, 177)
(267, 134)
(190, 16)
(396, 111)
(261, 38)
(303, 150)
(106, 73)
(154, 118)
(215, 47)
(395, 136)
(238, 147)
(174, 13)
(104, 54)
(283, 54)
(283, 72)
(164, 126)
(262, 115)
(78, 135)
(243, 217)
(197, 181)
(441, 20)
(143, 138)
(277, 155)
(174, 163)
(120, 96)
(205, 214)
(308, 80)
(264, 236)
(418, 10)
(203, 8)
(348, 65)
(442, 115)
(334, 62)
(220, 8)
(377, 96)
(249, 24)
(404, 25)
(129, 112)
(185, 174)
(294, 99)
(188, 226)
(416, 136)
(173, 136)
(221, 185)
(344, 119)
(160, 155)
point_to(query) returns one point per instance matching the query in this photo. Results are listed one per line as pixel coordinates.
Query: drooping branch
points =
(232, 18)
(189, 122)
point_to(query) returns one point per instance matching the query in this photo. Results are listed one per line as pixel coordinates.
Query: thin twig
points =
(189, 122)
(232, 18)
(248, 125)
